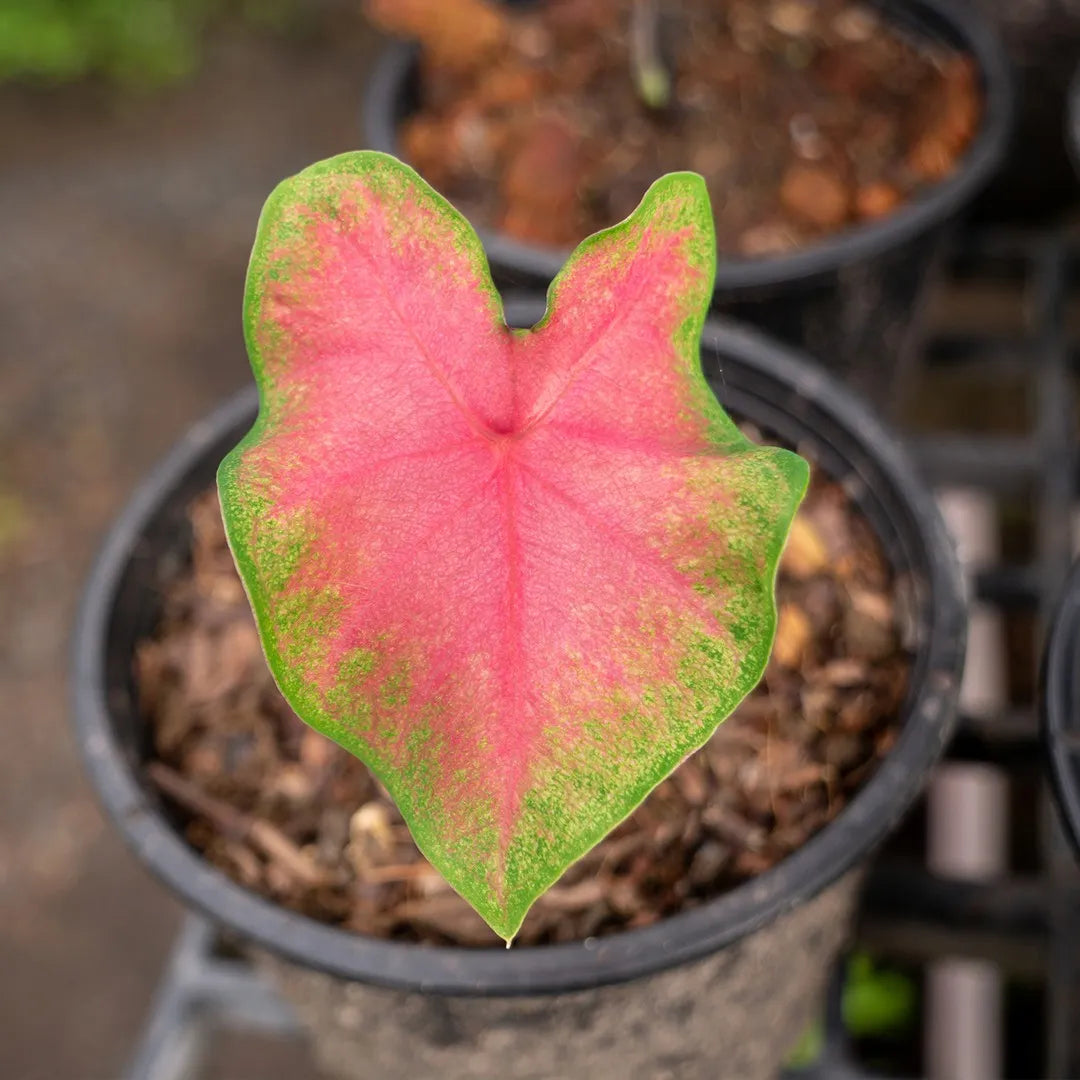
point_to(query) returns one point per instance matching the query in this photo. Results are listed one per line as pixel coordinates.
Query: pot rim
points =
(691, 935)
(1060, 703)
(961, 27)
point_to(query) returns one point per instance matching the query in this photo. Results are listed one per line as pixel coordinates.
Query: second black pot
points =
(850, 301)
(1072, 125)
(1060, 701)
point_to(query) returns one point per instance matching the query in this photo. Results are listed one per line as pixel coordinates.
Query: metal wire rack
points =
(1027, 923)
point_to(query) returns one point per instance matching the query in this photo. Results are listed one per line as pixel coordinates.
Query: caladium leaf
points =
(520, 573)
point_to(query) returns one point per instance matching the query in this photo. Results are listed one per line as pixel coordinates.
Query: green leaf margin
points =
(370, 164)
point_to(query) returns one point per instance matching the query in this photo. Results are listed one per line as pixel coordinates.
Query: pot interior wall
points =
(161, 554)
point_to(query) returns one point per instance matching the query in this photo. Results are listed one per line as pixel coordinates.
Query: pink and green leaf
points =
(522, 574)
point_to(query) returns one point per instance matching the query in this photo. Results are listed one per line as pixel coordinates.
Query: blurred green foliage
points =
(133, 43)
(878, 1002)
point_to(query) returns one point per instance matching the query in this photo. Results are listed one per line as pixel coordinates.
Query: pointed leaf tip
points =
(521, 576)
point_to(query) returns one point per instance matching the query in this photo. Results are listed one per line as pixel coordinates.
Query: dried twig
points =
(574, 897)
(230, 822)
(395, 872)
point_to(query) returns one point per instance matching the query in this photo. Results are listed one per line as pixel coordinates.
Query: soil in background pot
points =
(285, 812)
(804, 116)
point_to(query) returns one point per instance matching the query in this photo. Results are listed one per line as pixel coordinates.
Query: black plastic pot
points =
(1042, 38)
(1061, 704)
(849, 301)
(1072, 126)
(723, 990)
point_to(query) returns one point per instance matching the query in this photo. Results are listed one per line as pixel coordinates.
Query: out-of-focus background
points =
(138, 140)
(136, 149)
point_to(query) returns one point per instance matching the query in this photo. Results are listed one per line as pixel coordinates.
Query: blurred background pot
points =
(1042, 40)
(724, 990)
(850, 300)
(1061, 704)
(1071, 124)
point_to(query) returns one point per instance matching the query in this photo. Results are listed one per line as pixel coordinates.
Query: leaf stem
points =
(651, 76)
